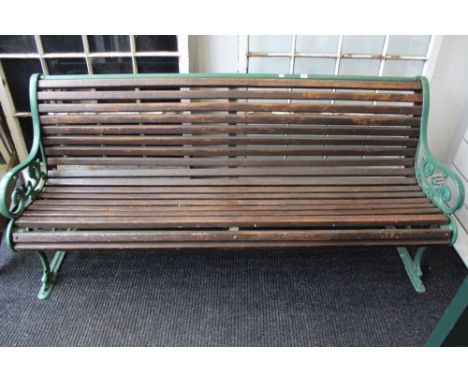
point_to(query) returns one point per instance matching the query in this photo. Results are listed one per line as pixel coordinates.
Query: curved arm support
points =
(33, 169)
(441, 184)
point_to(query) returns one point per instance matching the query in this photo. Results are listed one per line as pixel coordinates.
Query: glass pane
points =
(103, 65)
(271, 44)
(403, 68)
(269, 65)
(17, 44)
(67, 66)
(156, 43)
(17, 73)
(408, 45)
(109, 43)
(62, 44)
(314, 65)
(363, 44)
(158, 64)
(317, 44)
(359, 67)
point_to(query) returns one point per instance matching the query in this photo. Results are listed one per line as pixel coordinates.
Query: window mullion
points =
(292, 60)
(384, 55)
(40, 52)
(86, 51)
(133, 50)
(339, 52)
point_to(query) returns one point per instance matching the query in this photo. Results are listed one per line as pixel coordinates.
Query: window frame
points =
(13, 116)
(429, 59)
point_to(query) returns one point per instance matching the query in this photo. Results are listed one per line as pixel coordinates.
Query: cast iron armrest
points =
(33, 169)
(435, 179)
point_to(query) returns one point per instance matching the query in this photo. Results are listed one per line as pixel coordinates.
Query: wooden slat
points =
(303, 118)
(192, 203)
(277, 195)
(219, 221)
(230, 162)
(217, 244)
(223, 190)
(182, 212)
(224, 172)
(258, 235)
(227, 106)
(229, 151)
(226, 181)
(326, 205)
(226, 94)
(216, 140)
(228, 129)
(200, 209)
(231, 82)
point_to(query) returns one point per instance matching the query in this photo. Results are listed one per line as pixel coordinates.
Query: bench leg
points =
(50, 272)
(413, 266)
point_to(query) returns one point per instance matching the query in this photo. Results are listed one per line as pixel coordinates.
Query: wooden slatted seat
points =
(234, 161)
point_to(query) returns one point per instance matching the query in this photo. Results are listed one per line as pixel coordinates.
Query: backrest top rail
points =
(231, 75)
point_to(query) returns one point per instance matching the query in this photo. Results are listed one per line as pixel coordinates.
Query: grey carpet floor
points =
(320, 297)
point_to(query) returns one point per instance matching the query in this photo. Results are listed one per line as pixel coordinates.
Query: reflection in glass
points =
(62, 44)
(408, 45)
(103, 65)
(106, 43)
(275, 44)
(359, 67)
(269, 65)
(158, 64)
(67, 66)
(317, 44)
(314, 65)
(156, 43)
(403, 68)
(363, 44)
(17, 44)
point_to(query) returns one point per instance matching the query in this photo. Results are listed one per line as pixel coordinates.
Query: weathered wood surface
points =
(229, 163)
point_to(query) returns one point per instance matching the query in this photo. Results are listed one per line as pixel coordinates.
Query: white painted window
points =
(23, 55)
(346, 55)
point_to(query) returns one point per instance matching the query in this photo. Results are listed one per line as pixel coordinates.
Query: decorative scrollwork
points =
(32, 172)
(432, 178)
(34, 175)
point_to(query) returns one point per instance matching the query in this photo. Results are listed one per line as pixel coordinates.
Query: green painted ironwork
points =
(432, 176)
(50, 272)
(33, 169)
(413, 267)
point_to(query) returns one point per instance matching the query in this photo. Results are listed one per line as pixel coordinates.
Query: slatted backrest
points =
(233, 126)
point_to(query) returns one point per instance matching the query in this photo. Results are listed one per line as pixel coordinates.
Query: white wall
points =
(213, 54)
(449, 97)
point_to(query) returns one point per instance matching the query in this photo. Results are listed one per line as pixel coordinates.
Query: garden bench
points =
(228, 161)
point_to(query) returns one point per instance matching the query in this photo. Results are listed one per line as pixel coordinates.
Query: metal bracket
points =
(50, 272)
(413, 266)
